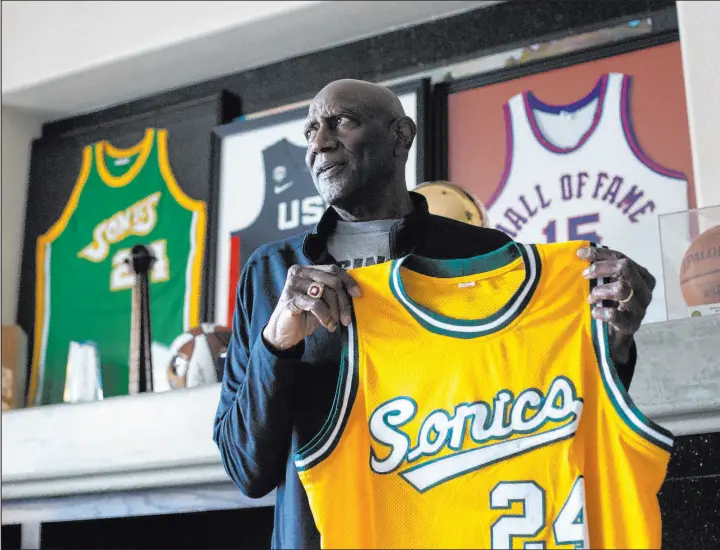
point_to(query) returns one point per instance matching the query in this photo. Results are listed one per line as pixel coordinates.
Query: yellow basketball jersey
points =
(478, 407)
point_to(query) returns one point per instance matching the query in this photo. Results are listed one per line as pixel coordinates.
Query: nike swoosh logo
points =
(280, 188)
(428, 475)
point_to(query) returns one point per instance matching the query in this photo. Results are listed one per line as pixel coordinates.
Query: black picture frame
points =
(56, 158)
(424, 165)
(443, 91)
(485, 161)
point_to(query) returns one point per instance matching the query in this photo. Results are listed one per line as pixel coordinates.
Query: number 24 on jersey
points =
(568, 527)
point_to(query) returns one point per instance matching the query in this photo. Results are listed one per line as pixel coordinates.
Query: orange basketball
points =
(700, 270)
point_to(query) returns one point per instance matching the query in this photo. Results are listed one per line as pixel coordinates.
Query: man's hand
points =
(629, 288)
(298, 313)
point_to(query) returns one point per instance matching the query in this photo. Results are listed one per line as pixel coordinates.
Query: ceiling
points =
(117, 70)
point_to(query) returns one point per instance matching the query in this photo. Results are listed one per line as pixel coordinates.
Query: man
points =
(282, 362)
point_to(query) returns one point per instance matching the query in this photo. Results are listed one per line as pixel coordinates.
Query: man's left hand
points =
(629, 289)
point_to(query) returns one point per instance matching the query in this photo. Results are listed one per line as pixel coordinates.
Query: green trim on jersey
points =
(464, 328)
(320, 447)
(619, 397)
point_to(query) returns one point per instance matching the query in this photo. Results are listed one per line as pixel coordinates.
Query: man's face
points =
(350, 146)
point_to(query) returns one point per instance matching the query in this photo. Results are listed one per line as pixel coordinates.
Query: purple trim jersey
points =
(577, 172)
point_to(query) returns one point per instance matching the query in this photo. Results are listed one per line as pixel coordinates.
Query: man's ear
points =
(405, 132)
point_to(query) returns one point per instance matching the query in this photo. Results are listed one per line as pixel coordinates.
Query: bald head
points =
(373, 97)
(358, 143)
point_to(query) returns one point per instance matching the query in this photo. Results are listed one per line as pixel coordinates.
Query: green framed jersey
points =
(122, 197)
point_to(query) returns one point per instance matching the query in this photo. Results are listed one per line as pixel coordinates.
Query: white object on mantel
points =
(149, 442)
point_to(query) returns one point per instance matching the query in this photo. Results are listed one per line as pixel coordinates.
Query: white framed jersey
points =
(577, 172)
(266, 192)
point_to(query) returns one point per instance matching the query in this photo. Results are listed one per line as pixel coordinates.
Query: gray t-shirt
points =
(357, 244)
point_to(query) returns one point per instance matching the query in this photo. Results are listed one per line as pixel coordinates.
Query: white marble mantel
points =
(154, 454)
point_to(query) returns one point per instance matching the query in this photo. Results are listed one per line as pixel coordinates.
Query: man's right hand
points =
(297, 314)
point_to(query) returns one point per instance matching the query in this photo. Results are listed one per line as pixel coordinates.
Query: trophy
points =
(83, 378)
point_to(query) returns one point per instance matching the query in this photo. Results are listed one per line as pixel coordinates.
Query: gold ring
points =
(626, 300)
(315, 290)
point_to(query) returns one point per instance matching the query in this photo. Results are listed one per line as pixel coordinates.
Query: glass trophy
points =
(83, 379)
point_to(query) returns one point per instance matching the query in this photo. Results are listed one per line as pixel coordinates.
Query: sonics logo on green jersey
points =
(122, 197)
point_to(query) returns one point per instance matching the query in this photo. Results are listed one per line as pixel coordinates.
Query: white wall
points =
(73, 57)
(18, 130)
(700, 42)
(87, 34)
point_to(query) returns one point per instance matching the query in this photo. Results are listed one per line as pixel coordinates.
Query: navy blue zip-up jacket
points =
(272, 403)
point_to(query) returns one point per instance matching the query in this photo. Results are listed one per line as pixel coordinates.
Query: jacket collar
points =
(403, 235)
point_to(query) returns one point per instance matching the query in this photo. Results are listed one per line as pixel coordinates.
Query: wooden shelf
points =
(153, 453)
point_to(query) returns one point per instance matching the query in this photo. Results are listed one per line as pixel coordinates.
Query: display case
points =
(690, 244)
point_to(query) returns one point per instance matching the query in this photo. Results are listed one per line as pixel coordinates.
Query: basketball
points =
(194, 356)
(450, 201)
(700, 270)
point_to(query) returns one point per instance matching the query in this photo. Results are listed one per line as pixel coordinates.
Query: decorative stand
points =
(141, 370)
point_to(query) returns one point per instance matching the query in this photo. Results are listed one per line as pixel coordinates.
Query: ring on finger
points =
(315, 290)
(626, 300)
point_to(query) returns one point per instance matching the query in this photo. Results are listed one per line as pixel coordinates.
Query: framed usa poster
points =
(264, 191)
(593, 145)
